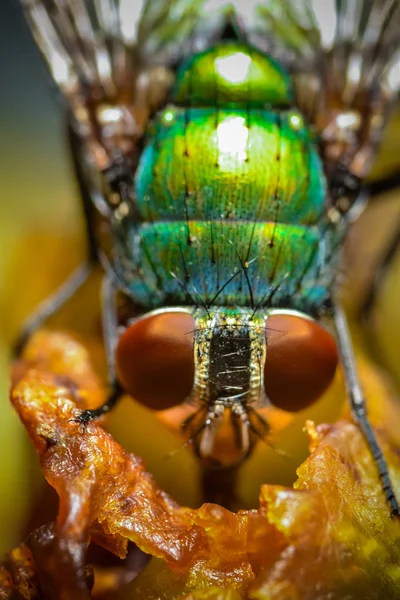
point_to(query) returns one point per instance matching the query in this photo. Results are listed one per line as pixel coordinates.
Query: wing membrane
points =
(344, 55)
(100, 45)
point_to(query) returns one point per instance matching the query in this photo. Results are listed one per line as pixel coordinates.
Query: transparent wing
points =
(110, 60)
(344, 55)
(102, 44)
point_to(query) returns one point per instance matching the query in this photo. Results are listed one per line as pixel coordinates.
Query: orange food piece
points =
(6, 583)
(19, 573)
(330, 535)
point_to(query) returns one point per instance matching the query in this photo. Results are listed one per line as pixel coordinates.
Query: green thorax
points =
(229, 179)
(230, 146)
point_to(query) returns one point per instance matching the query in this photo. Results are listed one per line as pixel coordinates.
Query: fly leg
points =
(110, 333)
(53, 303)
(358, 405)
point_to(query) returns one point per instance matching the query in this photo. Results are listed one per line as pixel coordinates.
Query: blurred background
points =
(40, 233)
(41, 240)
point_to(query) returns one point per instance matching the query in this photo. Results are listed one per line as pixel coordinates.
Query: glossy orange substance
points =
(331, 532)
(301, 361)
(154, 359)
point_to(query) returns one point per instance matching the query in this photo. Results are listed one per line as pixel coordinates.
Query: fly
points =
(222, 155)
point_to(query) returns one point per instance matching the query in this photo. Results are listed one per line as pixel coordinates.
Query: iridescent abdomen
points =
(235, 164)
(229, 190)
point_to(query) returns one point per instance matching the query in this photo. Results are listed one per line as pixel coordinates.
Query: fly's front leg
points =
(52, 304)
(358, 405)
(110, 334)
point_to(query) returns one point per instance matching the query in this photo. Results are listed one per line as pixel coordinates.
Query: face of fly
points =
(222, 365)
(229, 354)
(244, 360)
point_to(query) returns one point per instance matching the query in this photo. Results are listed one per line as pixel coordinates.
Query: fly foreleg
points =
(52, 304)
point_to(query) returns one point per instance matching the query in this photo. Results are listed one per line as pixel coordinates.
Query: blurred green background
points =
(41, 240)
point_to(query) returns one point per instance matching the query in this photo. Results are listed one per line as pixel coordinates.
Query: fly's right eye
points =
(155, 360)
(301, 361)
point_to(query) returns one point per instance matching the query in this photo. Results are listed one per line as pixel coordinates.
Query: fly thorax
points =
(229, 354)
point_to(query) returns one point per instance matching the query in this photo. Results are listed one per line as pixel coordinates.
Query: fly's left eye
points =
(300, 363)
(154, 359)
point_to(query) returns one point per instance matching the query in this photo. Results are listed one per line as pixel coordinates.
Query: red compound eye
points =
(154, 359)
(301, 361)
